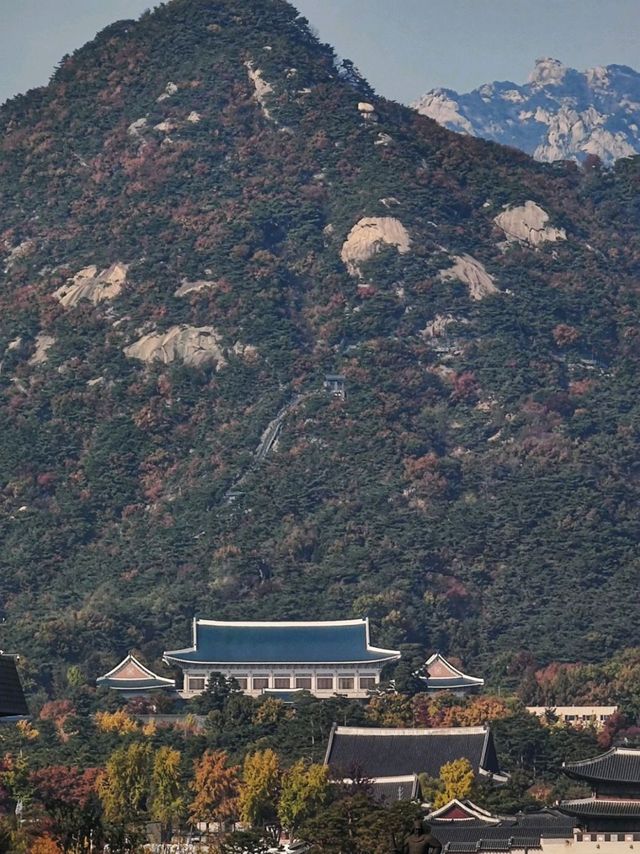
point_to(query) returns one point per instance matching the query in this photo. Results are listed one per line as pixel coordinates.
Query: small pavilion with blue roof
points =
(132, 679)
(325, 658)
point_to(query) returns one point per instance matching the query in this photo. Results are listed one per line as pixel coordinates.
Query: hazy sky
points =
(403, 47)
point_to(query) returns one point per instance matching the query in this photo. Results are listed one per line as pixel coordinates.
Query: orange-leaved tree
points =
(215, 787)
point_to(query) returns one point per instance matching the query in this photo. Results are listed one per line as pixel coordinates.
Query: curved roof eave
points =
(170, 656)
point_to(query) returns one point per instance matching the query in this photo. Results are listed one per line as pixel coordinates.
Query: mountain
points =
(560, 114)
(204, 215)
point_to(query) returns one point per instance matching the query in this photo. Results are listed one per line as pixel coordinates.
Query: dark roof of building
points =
(443, 676)
(601, 807)
(520, 831)
(390, 789)
(12, 702)
(131, 675)
(618, 765)
(335, 642)
(379, 753)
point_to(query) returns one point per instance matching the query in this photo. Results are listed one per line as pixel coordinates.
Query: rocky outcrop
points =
(194, 345)
(261, 89)
(559, 114)
(88, 284)
(368, 236)
(17, 253)
(437, 327)
(527, 223)
(43, 344)
(192, 287)
(170, 89)
(469, 270)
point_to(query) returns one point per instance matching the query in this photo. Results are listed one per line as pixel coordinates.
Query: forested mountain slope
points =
(201, 217)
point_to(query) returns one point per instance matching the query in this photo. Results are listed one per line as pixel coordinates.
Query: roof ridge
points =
(360, 621)
(580, 762)
(460, 730)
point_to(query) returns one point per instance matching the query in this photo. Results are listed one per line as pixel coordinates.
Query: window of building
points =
(367, 683)
(345, 683)
(197, 683)
(324, 683)
(260, 683)
(303, 682)
(243, 682)
(282, 682)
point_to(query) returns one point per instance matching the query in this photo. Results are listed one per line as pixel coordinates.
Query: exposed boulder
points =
(193, 345)
(88, 284)
(17, 253)
(170, 90)
(469, 270)
(135, 128)
(261, 88)
(192, 287)
(43, 344)
(368, 236)
(437, 327)
(527, 223)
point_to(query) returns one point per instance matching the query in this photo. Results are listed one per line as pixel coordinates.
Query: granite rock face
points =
(368, 236)
(527, 223)
(195, 346)
(559, 114)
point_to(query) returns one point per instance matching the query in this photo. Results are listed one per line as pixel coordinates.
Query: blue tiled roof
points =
(131, 684)
(337, 642)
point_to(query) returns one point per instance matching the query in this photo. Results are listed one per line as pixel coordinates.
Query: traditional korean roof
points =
(217, 642)
(443, 676)
(462, 810)
(601, 807)
(13, 705)
(131, 675)
(618, 765)
(500, 833)
(376, 753)
(390, 789)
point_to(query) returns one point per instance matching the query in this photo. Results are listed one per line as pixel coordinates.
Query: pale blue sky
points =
(403, 47)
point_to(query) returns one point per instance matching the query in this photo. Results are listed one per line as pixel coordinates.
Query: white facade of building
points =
(577, 715)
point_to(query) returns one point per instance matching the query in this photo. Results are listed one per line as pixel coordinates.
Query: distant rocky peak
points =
(559, 114)
(548, 72)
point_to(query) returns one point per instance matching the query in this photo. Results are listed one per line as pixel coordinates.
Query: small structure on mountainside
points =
(441, 675)
(613, 808)
(391, 759)
(335, 385)
(575, 716)
(132, 679)
(13, 706)
(462, 826)
(325, 658)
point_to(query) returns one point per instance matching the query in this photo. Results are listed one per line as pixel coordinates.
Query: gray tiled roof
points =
(393, 753)
(521, 831)
(619, 765)
(12, 701)
(285, 643)
(388, 791)
(600, 807)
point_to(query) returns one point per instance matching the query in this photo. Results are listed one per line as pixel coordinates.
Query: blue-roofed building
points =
(132, 679)
(443, 676)
(325, 658)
